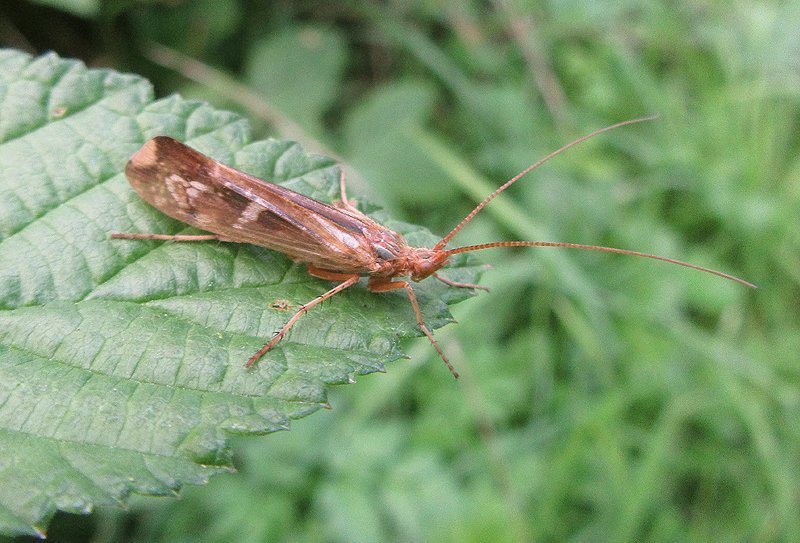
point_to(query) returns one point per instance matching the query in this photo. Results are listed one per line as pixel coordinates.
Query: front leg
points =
(457, 284)
(378, 284)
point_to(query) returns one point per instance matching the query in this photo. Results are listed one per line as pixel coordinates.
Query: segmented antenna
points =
(482, 246)
(445, 240)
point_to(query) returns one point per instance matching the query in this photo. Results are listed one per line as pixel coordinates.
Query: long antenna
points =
(482, 246)
(445, 240)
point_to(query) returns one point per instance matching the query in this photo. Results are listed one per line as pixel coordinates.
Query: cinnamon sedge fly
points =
(335, 242)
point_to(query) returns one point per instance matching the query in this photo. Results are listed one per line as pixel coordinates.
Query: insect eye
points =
(384, 253)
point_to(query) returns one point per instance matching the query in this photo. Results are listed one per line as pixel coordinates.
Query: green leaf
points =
(298, 70)
(381, 134)
(191, 27)
(82, 8)
(122, 361)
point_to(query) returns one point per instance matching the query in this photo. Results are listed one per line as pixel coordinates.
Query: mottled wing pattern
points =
(209, 195)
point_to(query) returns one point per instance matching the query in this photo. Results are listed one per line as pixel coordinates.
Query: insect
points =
(335, 242)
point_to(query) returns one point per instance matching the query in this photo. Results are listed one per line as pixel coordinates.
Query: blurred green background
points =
(603, 398)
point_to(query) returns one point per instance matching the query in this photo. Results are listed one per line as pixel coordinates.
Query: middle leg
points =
(385, 285)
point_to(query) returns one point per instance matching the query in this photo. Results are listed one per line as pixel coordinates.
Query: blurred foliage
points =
(603, 397)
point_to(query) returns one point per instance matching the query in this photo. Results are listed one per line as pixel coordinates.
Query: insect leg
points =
(457, 284)
(168, 237)
(343, 191)
(349, 280)
(383, 285)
